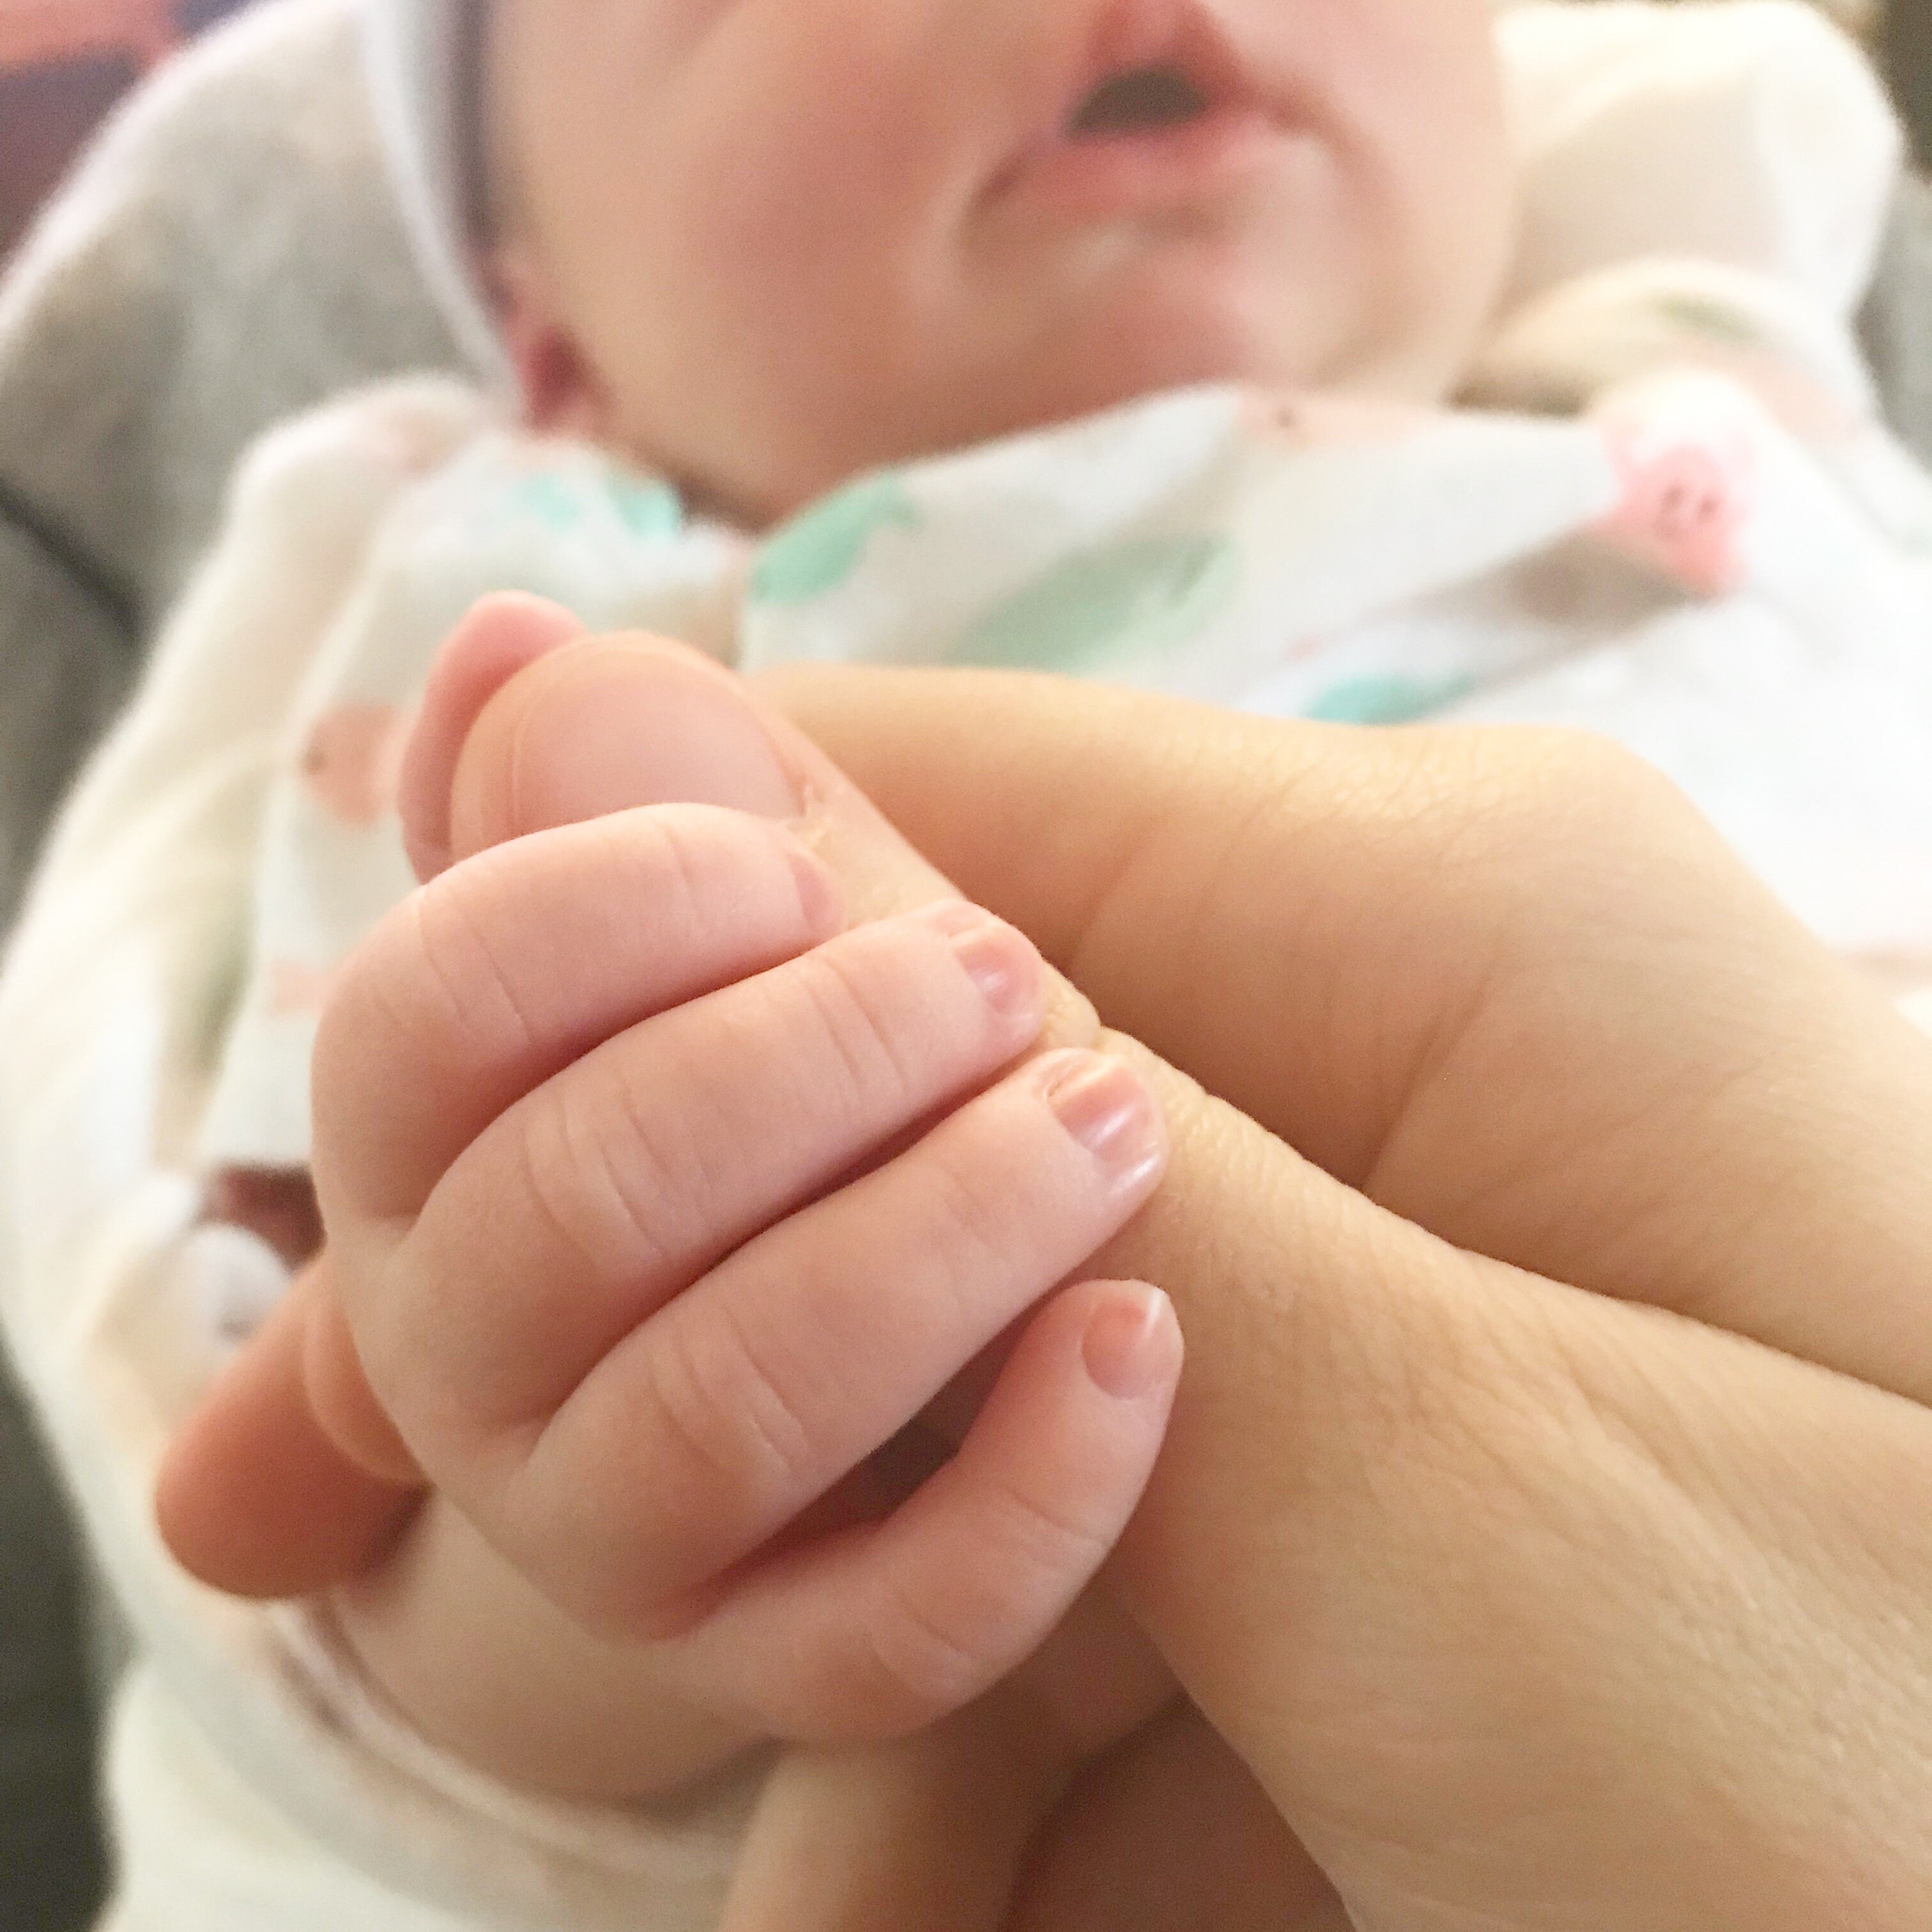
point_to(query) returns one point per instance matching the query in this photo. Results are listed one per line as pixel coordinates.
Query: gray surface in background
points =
(244, 262)
(1907, 51)
(51, 1862)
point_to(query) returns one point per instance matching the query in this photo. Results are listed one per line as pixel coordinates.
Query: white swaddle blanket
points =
(1725, 564)
(1674, 517)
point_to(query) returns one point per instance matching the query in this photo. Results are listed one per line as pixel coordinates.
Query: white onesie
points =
(1673, 517)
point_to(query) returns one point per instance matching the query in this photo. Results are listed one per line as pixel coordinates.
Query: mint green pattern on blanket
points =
(548, 500)
(1388, 700)
(651, 511)
(1146, 596)
(821, 549)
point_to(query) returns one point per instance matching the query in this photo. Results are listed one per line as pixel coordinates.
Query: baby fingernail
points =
(821, 898)
(1102, 1103)
(999, 961)
(1132, 1345)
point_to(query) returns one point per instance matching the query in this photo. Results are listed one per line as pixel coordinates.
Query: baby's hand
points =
(658, 1204)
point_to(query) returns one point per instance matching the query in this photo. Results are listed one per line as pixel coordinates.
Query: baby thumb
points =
(606, 725)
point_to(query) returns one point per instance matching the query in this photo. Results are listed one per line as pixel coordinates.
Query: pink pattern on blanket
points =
(353, 763)
(1686, 498)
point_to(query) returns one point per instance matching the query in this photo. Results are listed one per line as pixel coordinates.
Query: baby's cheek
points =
(1423, 80)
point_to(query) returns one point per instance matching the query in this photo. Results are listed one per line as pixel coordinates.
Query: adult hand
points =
(1527, 1608)
(1525, 1604)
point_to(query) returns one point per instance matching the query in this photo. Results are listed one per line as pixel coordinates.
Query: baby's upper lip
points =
(1135, 36)
(1123, 37)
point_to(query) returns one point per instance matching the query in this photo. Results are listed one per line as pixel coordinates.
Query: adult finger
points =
(1227, 1860)
(1519, 1601)
(1424, 1535)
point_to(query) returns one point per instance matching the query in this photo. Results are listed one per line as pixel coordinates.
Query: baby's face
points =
(767, 244)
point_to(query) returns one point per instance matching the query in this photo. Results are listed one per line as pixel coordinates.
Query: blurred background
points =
(63, 65)
(1905, 33)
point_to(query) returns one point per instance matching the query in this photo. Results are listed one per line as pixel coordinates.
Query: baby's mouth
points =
(1160, 111)
(1151, 97)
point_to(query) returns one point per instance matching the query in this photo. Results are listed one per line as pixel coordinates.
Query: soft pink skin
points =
(545, 1323)
(765, 245)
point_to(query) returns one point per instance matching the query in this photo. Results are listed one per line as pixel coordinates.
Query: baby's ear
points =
(562, 392)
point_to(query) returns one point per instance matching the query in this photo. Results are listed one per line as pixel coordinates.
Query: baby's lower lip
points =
(1143, 171)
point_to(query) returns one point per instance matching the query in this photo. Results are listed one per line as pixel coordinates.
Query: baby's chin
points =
(1167, 332)
(1174, 331)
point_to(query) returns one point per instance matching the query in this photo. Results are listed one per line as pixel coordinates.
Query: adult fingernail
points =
(1000, 960)
(621, 726)
(1101, 1103)
(1132, 1343)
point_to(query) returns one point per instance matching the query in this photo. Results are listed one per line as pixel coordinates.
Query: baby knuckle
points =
(368, 990)
(623, 1594)
(690, 858)
(336, 1084)
(597, 1170)
(547, 1187)
(725, 1415)
(869, 1048)
(704, 872)
(975, 1224)
(767, 1391)
(650, 1612)
(468, 987)
(1035, 1543)
(920, 1669)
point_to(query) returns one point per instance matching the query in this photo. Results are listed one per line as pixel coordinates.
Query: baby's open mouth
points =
(1153, 96)
(1166, 114)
